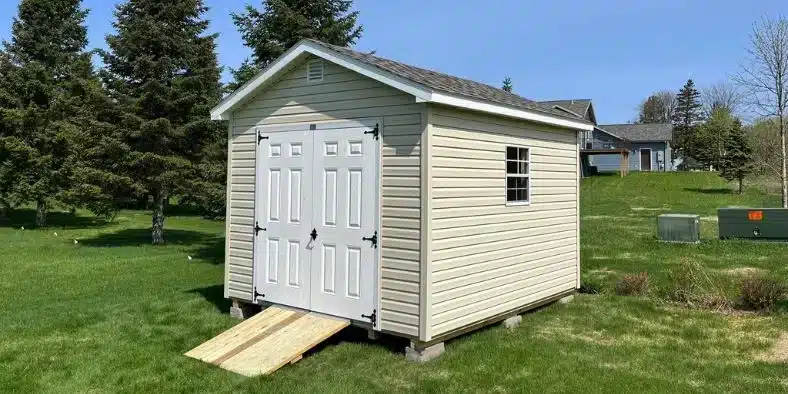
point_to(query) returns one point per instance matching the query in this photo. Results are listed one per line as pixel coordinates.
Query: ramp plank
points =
(229, 341)
(289, 343)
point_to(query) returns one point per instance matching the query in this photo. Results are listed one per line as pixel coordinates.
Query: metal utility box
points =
(753, 223)
(676, 227)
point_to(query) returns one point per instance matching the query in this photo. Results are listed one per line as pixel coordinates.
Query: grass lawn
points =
(112, 313)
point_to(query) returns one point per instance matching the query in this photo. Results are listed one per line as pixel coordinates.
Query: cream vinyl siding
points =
(488, 258)
(341, 94)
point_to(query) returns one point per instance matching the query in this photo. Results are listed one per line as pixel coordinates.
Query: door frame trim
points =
(329, 125)
(650, 159)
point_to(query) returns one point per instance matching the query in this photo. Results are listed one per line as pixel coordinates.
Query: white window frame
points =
(518, 175)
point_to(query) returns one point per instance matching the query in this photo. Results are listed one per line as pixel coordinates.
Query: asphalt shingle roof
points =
(446, 83)
(579, 106)
(641, 132)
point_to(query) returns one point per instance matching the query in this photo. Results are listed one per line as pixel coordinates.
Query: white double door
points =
(316, 212)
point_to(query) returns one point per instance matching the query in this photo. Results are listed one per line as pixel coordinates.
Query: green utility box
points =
(677, 227)
(753, 223)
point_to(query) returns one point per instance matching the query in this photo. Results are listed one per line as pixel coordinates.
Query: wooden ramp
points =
(267, 341)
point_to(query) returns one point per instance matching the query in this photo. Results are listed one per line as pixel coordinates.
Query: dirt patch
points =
(779, 351)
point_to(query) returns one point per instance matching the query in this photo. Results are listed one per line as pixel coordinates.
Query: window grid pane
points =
(517, 174)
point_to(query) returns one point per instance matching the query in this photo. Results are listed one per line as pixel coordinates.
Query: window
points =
(518, 175)
(314, 70)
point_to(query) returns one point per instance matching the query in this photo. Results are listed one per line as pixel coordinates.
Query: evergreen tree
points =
(161, 70)
(507, 84)
(737, 162)
(687, 115)
(44, 70)
(280, 24)
(710, 138)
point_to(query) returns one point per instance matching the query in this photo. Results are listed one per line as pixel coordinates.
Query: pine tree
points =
(710, 138)
(507, 85)
(280, 24)
(737, 161)
(687, 115)
(44, 69)
(161, 69)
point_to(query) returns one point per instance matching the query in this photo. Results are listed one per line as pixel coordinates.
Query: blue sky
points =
(615, 52)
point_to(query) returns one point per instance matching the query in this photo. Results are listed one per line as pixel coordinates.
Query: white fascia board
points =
(481, 106)
(222, 110)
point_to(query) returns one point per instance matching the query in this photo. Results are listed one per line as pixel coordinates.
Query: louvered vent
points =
(314, 71)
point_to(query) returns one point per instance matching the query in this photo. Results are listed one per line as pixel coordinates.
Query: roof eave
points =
(511, 112)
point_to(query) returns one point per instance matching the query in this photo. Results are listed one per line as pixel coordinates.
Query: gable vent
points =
(314, 70)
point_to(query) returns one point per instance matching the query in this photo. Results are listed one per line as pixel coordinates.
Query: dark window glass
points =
(511, 153)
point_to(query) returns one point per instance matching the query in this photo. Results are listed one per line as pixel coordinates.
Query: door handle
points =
(313, 234)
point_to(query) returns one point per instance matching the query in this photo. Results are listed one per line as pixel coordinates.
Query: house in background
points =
(648, 145)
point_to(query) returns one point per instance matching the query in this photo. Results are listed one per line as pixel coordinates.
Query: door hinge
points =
(261, 137)
(373, 317)
(258, 295)
(257, 228)
(373, 239)
(375, 132)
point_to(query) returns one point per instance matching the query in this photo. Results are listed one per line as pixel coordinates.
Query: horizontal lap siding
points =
(488, 258)
(341, 95)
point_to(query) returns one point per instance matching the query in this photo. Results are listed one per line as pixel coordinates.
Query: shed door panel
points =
(284, 212)
(344, 185)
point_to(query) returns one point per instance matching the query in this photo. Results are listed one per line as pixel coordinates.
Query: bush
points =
(590, 285)
(691, 285)
(760, 293)
(633, 285)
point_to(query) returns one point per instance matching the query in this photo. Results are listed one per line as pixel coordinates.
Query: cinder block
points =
(242, 311)
(566, 299)
(424, 355)
(512, 322)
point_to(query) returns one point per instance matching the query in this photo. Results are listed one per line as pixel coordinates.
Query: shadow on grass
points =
(27, 218)
(214, 295)
(719, 190)
(211, 251)
(142, 236)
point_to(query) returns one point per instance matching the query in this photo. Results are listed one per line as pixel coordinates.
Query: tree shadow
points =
(142, 236)
(214, 295)
(719, 190)
(211, 251)
(55, 219)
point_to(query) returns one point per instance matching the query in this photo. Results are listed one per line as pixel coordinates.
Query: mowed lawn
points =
(112, 313)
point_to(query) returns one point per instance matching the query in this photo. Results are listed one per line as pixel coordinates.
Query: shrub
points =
(690, 284)
(633, 285)
(760, 293)
(590, 285)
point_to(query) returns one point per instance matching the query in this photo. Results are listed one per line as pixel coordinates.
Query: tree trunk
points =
(158, 218)
(41, 213)
(784, 169)
(741, 185)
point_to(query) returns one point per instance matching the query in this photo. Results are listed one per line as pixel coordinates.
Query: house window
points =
(518, 175)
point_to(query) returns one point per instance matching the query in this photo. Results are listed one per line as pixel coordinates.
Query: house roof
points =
(577, 106)
(640, 132)
(425, 85)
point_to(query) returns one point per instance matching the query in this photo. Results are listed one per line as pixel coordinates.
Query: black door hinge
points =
(261, 137)
(256, 295)
(373, 317)
(257, 228)
(373, 239)
(375, 132)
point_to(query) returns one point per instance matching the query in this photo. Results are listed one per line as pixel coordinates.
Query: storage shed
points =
(406, 200)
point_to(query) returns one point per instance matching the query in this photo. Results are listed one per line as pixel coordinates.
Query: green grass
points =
(112, 313)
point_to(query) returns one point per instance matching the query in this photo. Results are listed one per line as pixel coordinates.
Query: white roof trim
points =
(483, 106)
(422, 93)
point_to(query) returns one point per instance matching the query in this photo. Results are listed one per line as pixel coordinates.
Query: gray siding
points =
(608, 163)
(488, 257)
(342, 94)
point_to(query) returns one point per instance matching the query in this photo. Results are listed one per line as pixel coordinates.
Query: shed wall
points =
(342, 94)
(488, 258)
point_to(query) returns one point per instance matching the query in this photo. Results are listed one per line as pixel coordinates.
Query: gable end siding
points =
(341, 95)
